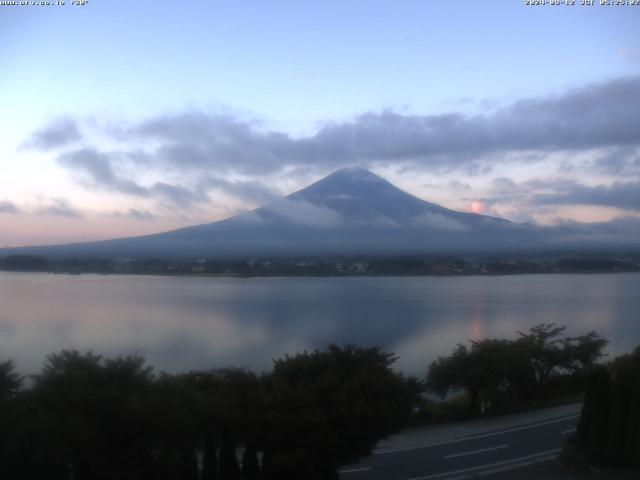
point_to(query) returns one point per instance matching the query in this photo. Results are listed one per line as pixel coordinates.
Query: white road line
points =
(355, 470)
(489, 465)
(474, 437)
(513, 466)
(571, 430)
(475, 451)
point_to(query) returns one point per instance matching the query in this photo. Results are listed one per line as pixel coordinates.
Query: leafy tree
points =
(482, 369)
(544, 353)
(493, 370)
(329, 408)
(91, 414)
(584, 351)
(447, 373)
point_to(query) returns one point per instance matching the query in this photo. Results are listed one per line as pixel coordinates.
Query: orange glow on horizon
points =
(476, 207)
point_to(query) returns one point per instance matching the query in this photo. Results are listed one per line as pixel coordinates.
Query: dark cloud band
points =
(204, 151)
(596, 116)
(624, 195)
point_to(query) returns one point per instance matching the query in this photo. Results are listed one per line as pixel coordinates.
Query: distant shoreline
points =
(356, 266)
(302, 275)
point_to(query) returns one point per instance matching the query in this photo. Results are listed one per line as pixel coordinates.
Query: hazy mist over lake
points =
(182, 323)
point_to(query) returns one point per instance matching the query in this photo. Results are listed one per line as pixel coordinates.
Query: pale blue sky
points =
(291, 66)
(301, 61)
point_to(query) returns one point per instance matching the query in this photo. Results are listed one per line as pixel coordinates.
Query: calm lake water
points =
(182, 323)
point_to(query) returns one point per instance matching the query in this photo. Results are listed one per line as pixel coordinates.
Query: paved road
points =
(483, 454)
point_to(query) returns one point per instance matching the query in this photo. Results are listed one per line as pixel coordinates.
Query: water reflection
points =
(183, 323)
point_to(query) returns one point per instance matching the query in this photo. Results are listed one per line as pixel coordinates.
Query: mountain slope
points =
(351, 211)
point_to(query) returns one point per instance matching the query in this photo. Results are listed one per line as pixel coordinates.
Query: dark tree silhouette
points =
(329, 408)
(26, 263)
(87, 417)
(92, 416)
(10, 381)
(481, 370)
(493, 370)
(609, 427)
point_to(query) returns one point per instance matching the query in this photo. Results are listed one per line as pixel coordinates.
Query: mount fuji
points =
(351, 211)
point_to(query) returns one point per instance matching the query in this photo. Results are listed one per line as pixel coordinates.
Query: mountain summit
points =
(362, 197)
(351, 211)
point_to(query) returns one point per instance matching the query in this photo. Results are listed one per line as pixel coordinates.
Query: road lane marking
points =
(571, 430)
(355, 470)
(475, 451)
(513, 466)
(474, 437)
(488, 465)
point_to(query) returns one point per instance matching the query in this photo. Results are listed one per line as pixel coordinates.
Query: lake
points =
(181, 323)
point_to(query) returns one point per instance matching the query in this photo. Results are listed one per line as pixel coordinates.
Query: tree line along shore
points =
(330, 266)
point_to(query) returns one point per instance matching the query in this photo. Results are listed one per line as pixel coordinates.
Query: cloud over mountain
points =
(188, 159)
